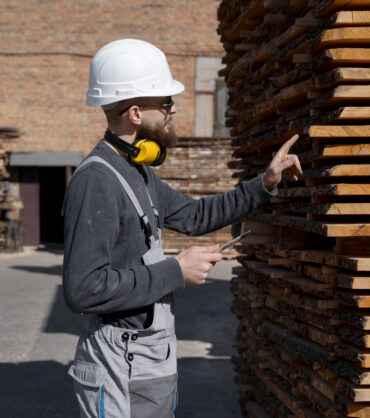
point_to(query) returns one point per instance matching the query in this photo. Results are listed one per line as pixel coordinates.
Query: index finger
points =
(288, 144)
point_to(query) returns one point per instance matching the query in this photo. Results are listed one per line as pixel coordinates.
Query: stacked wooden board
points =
(10, 203)
(198, 167)
(302, 290)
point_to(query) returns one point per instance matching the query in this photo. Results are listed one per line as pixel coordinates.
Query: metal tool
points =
(233, 241)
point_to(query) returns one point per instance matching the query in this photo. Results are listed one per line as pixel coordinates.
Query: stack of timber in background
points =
(10, 203)
(198, 167)
(302, 290)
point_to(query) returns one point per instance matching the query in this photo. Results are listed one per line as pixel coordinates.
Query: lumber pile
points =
(302, 290)
(198, 167)
(10, 203)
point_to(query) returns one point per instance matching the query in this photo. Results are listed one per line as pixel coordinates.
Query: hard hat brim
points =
(175, 88)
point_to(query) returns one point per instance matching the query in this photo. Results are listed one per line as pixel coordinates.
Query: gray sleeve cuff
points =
(173, 278)
(272, 192)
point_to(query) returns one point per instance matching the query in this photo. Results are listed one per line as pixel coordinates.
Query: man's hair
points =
(109, 106)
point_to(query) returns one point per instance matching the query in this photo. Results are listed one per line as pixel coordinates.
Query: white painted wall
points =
(210, 98)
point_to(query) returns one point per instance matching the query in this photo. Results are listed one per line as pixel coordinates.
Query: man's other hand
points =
(195, 262)
(281, 163)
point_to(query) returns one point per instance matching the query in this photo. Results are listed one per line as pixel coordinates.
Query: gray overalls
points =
(126, 373)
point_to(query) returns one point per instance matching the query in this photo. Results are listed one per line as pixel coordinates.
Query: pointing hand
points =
(282, 162)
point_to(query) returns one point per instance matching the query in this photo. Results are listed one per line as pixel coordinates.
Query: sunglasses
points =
(165, 106)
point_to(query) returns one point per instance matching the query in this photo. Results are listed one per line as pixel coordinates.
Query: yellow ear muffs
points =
(143, 152)
(150, 153)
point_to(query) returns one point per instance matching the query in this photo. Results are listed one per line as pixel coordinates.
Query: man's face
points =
(157, 124)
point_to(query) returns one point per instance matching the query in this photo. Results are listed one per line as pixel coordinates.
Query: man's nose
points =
(173, 109)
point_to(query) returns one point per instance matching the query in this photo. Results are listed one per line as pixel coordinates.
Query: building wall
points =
(47, 47)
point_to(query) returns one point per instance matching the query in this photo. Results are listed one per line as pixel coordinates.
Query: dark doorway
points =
(52, 189)
(29, 191)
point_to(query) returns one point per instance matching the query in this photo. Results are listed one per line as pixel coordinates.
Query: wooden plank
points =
(353, 282)
(338, 56)
(330, 151)
(345, 94)
(319, 384)
(338, 131)
(351, 17)
(298, 300)
(346, 279)
(329, 208)
(336, 76)
(331, 6)
(340, 170)
(298, 92)
(353, 113)
(256, 411)
(345, 36)
(317, 227)
(353, 299)
(249, 18)
(358, 355)
(301, 113)
(321, 152)
(354, 318)
(320, 256)
(340, 189)
(316, 353)
(358, 411)
(290, 279)
(289, 125)
(343, 230)
(285, 398)
(351, 56)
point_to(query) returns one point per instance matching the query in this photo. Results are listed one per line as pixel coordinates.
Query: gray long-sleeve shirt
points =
(104, 241)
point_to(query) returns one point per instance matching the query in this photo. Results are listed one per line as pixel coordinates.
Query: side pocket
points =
(88, 383)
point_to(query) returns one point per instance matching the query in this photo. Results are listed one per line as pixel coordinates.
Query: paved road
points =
(38, 337)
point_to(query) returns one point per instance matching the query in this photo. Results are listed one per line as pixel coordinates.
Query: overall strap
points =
(144, 219)
(154, 210)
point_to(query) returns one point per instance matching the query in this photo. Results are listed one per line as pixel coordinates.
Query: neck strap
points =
(113, 139)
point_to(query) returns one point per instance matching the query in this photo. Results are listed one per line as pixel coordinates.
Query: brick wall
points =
(46, 50)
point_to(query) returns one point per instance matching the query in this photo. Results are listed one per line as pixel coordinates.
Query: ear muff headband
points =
(145, 152)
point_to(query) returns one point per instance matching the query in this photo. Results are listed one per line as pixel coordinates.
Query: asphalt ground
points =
(39, 335)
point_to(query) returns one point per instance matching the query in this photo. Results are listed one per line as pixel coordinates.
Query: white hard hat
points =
(129, 68)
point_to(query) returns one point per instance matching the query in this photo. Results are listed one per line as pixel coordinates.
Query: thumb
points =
(210, 248)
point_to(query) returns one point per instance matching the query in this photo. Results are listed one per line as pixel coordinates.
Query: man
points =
(115, 209)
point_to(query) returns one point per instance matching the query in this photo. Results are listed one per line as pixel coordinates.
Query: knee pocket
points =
(89, 387)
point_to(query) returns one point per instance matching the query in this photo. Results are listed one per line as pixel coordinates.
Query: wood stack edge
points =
(302, 290)
(10, 203)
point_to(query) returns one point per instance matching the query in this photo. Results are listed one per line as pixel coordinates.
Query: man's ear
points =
(134, 115)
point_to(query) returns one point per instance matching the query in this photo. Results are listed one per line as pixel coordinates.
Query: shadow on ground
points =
(53, 270)
(206, 385)
(61, 319)
(36, 390)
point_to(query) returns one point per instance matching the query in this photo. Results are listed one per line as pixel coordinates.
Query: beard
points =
(157, 133)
